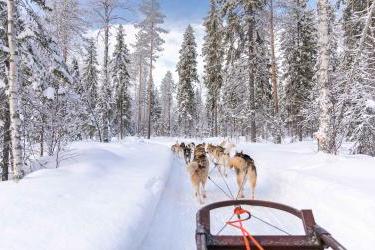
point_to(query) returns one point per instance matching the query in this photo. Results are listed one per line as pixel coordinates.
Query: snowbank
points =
(102, 197)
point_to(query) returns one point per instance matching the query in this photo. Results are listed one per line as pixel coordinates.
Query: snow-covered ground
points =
(100, 198)
(136, 195)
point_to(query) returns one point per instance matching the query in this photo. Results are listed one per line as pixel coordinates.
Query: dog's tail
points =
(193, 166)
(252, 174)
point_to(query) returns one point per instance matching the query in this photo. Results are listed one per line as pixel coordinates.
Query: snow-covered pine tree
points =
(234, 94)
(156, 112)
(264, 106)
(90, 89)
(201, 130)
(78, 91)
(152, 30)
(213, 57)
(188, 76)
(167, 90)
(121, 80)
(244, 39)
(76, 75)
(356, 119)
(298, 45)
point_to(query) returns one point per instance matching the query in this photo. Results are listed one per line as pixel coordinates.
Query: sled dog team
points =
(198, 157)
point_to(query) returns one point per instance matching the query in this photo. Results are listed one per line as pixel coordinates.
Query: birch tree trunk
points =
(324, 132)
(15, 122)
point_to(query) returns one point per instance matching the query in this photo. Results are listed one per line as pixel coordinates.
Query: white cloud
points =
(168, 58)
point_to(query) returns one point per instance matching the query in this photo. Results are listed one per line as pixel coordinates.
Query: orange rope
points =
(246, 235)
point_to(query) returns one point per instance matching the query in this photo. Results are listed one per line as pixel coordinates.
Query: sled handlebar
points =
(315, 236)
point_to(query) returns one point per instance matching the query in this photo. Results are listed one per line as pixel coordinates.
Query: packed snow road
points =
(137, 195)
(173, 226)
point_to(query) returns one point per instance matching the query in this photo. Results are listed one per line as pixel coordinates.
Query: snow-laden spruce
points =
(188, 76)
(213, 52)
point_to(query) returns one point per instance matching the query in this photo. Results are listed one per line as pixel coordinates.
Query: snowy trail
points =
(173, 226)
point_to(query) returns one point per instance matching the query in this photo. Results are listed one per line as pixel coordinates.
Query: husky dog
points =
(180, 150)
(228, 146)
(198, 171)
(175, 148)
(245, 168)
(191, 145)
(219, 157)
(187, 154)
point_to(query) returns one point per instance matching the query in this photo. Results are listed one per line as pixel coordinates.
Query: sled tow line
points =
(238, 224)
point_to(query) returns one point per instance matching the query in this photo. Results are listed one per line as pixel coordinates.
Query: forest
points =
(274, 70)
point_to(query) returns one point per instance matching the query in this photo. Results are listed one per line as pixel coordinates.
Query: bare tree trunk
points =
(169, 115)
(121, 121)
(215, 117)
(274, 72)
(6, 143)
(106, 77)
(15, 122)
(139, 97)
(251, 79)
(150, 85)
(149, 91)
(42, 141)
(65, 52)
(324, 133)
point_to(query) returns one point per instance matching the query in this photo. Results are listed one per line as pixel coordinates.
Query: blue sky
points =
(184, 10)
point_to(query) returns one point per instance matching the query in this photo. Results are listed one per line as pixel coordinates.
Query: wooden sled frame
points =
(315, 238)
